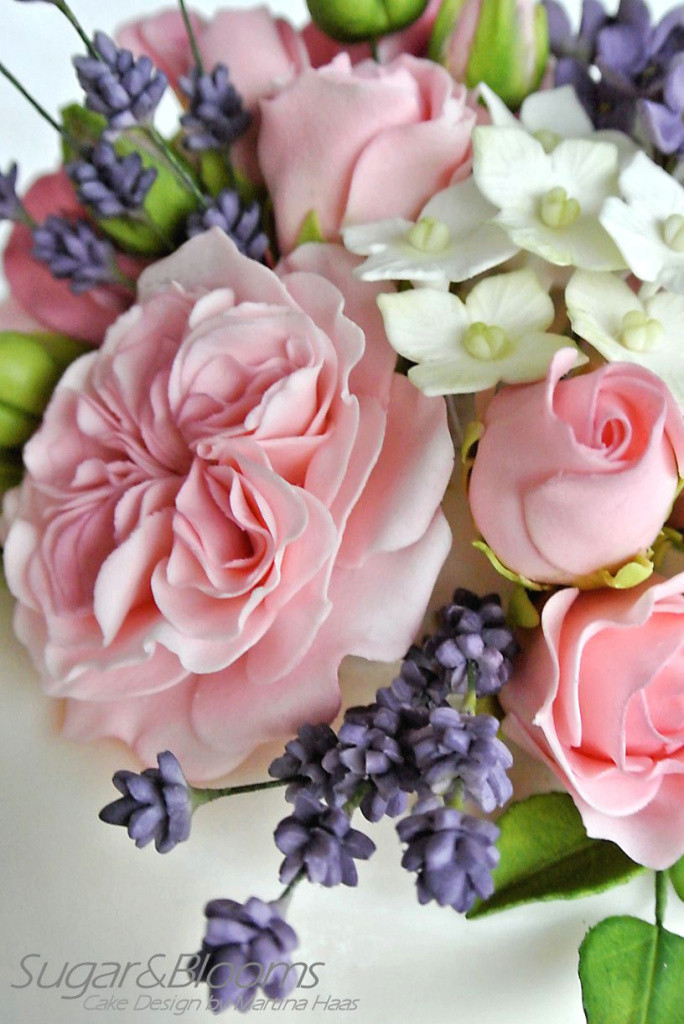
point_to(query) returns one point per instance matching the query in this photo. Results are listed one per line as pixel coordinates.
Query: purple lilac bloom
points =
(111, 185)
(124, 90)
(246, 947)
(10, 204)
(302, 763)
(156, 804)
(453, 854)
(664, 121)
(73, 251)
(473, 635)
(241, 223)
(319, 841)
(216, 117)
(456, 748)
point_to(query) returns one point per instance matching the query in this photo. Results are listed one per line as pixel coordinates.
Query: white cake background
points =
(75, 890)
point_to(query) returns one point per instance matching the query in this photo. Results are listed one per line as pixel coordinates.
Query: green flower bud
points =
(504, 43)
(350, 21)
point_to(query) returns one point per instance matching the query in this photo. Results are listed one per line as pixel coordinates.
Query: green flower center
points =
(639, 332)
(486, 341)
(673, 232)
(558, 209)
(548, 139)
(429, 235)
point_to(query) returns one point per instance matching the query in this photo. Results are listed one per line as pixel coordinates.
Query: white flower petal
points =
(510, 167)
(588, 171)
(516, 302)
(636, 234)
(597, 304)
(366, 239)
(584, 244)
(424, 324)
(462, 207)
(498, 111)
(645, 184)
(556, 110)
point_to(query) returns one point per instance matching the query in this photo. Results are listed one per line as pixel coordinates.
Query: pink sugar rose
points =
(574, 476)
(360, 143)
(599, 696)
(41, 296)
(230, 495)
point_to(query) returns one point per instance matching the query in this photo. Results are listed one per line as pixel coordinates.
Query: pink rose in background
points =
(599, 696)
(362, 143)
(562, 470)
(230, 495)
(41, 296)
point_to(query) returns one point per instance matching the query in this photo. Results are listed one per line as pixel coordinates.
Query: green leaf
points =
(677, 877)
(547, 855)
(632, 972)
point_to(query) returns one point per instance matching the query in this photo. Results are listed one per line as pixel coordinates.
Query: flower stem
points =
(192, 38)
(37, 106)
(205, 796)
(63, 6)
(286, 895)
(354, 802)
(179, 170)
(660, 897)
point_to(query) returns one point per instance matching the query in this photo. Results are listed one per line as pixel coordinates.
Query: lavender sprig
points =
(155, 805)
(124, 90)
(216, 117)
(111, 185)
(241, 223)
(11, 207)
(74, 252)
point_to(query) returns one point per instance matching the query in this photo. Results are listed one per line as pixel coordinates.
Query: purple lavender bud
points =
(461, 748)
(111, 185)
(664, 122)
(320, 841)
(371, 753)
(302, 763)
(156, 804)
(246, 947)
(10, 204)
(473, 635)
(241, 223)
(216, 117)
(74, 252)
(124, 90)
(453, 854)
(419, 684)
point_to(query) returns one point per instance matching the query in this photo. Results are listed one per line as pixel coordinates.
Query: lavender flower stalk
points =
(246, 947)
(241, 223)
(320, 842)
(155, 805)
(216, 117)
(74, 252)
(124, 90)
(111, 185)
(11, 207)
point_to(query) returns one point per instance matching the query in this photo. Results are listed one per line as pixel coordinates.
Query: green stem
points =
(37, 106)
(289, 889)
(205, 796)
(181, 172)
(373, 43)
(470, 702)
(660, 897)
(455, 797)
(63, 6)
(192, 39)
(355, 801)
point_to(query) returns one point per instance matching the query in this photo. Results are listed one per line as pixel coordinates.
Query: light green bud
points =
(352, 21)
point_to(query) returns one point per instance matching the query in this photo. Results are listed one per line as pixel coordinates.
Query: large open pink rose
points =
(599, 696)
(233, 493)
(359, 143)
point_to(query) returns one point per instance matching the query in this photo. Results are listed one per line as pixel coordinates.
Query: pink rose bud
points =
(598, 697)
(575, 476)
(504, 43)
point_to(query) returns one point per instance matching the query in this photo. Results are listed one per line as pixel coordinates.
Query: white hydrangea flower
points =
(552, 115)
(450, 241)
(648, 226)
(629, 328)
(549, 202)
(497, 335)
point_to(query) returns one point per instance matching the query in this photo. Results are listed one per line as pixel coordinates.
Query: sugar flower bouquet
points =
(311, 331)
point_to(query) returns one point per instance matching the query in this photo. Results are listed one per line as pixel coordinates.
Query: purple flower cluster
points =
(242, 223)
(628, 73)
(245, 947)
(156, 804)
(74, 252)
(111, 185)
(215, 117)
(421, 736)
(124, 90)
(10, 204)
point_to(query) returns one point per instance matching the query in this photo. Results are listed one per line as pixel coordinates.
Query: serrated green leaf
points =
(677, 877)
(632, 972)
(547, 855)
